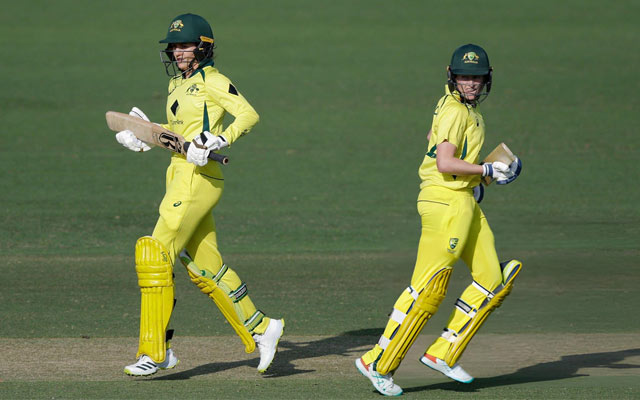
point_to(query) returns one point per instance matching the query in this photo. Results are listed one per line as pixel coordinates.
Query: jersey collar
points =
(455, 94)
(201, 68)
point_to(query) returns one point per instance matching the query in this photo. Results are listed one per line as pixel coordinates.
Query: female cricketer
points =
(453, 227)
(199, 97)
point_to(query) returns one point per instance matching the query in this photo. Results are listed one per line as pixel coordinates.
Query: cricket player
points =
(198, 99)
(453, 227)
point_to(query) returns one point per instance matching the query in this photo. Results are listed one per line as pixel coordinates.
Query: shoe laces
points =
(385, 381)
(258, 339)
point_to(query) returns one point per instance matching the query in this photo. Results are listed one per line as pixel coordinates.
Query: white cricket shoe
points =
(170, 361)
(383, 383)
(456, 372)
(146, 366)
(143, 367)
(268, 343)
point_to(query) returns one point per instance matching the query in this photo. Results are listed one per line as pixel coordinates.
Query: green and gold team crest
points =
(453, 242)
(176, 26)
(193, 89)
(470, 57)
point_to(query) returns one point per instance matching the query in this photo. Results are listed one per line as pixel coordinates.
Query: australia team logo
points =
(193, 90)
(176, 26)
(453, 242)
(470, 57)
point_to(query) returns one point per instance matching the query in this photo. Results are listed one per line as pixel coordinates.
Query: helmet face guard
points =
(187, 28)
(482, 94)
(202, 52)
(470, 60)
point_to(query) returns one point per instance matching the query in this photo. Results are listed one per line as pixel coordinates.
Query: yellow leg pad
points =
(210, 288)
(460, 341)
(155, 278)
(423, 308)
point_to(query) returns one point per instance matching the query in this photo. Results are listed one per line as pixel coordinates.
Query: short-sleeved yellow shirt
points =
(461, 125)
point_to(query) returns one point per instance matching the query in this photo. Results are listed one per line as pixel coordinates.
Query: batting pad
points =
(423, 308)
(155, 278)
(223, 301)
(510, 270)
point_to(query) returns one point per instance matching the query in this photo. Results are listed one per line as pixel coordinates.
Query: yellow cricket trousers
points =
(186, 221)
(453, 227)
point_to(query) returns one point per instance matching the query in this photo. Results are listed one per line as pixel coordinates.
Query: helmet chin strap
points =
(482, 94)
(172, 67)
(190, 68)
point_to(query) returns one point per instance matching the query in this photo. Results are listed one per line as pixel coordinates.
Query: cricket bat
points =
(154, 134)
(500, 153)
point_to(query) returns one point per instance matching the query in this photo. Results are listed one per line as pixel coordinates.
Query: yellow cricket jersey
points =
(200, 102)
(461, 125)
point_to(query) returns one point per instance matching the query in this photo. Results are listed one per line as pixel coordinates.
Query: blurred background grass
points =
(319, 210)
(319, 213)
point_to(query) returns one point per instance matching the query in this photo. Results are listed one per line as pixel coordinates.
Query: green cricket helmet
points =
(188, 28)
(470, 59)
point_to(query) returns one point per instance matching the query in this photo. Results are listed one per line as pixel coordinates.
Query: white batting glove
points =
(502, 172)
(131, 142)
(202, 145)
(136, 112)
(514, 171)
(128, 139)
(497, 170)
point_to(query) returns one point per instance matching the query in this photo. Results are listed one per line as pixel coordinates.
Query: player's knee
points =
(154, 265)
(489, 279)
(171, 227)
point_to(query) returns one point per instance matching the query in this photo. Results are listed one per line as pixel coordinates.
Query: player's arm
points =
(450, 127)
(448, 163)
(452, 124)
(222, 91)
(245, 117)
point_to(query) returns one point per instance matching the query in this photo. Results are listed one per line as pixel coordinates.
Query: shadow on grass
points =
(288, 352)
(565, 368)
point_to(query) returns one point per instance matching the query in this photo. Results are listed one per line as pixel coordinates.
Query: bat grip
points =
(224, 160)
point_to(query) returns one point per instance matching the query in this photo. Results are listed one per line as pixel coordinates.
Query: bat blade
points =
(153, 134)
(501, 153)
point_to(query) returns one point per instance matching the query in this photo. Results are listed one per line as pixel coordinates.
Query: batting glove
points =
(202, 145)
(136, 112)
(128, 139)
(496, 170)
(131, 142)
(514, 171)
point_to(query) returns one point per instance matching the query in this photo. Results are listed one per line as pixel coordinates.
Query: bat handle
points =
(224, 160)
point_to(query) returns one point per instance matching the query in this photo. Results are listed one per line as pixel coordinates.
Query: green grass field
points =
(319, 214)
